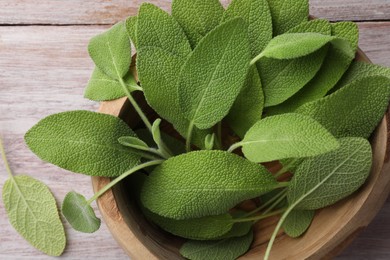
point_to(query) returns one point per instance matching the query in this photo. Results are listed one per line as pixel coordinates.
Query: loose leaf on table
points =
(214, 74)
(257, 15)
(287, 14)
(286, 136)
(297, 222)
(203, 183)
(226, 249)
(197, 17)
(131, 27)
(111, 51)
(83, 142)
(79, 213)
(156, 28)
(354, 110)
(32, 211)
(133, 142)
(203, 228)
(101, 87)
(325, 179)
(247, 109)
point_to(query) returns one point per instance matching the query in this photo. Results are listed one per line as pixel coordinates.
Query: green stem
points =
(275, 203)
(189, 136)
(234, 147)
(284, 169)
(255, 59)
(260, 217)
(151, 155)
(121, 177)
(2, 151)
(277, 196)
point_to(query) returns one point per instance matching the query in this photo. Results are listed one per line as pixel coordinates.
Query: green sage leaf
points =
(32, 211)
(83, 142)
(203, 183)
(286, 136)
(131, 27)
(175, 145)
(214, 74)
(79, 213)
(111, 51)
(133, 142)
(347, 30)
(297, 222)
(209, 141)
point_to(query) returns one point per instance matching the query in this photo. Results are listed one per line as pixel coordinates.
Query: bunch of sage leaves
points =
(288, 87)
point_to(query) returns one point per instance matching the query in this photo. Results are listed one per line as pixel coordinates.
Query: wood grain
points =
(111, 11)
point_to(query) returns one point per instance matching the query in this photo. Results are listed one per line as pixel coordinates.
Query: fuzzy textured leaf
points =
(323, 180)
(286, 136)
(367, 101)
(226, 249)
(131, 27)
(214, 74)
(315, 26)
(347, 30)
(83, 142)
(111, 51)
(297, 222)
(203, 183)
(133, 142)
(32, 211)
(287, 14)
(197, 17)
(257, 15)
(79, 213)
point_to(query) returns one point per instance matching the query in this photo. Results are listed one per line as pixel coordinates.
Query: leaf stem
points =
(121, 177)
(234, 147)
(255, 59)
(2, 151)
(285, 169)
(260, 217)
(189, 136)
(276, 197)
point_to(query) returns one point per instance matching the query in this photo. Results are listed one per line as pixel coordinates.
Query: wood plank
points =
(111, 11)
(43, 70)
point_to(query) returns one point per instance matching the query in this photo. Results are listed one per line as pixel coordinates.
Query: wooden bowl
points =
(332, 230)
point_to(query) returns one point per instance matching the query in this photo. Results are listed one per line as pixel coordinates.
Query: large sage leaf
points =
(347, 30)
(297, 222)
(83, 142)
(323, 180)
(131, 27)
(286, 136)
(226, 249)
(197, 17)
(214, 74)
(32, 211)
(354, 110)
(111, 51)
(203, 183)
(287, 14)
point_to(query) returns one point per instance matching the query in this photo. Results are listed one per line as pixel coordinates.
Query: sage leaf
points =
(347, 30)
(368, 100)
(175, 145)
(32, 211)
(156, 28)
(209, 141)
(203, 183)
(203, 228)
(131, 27)
(316, 26)
(286, 136)
(197, 17)
(83, 142)
(133, 142)
(325, 179)
(226, 249)
(101, 87)
(79, 213)
(111, 51)
(257, 15)
(214, 74)
(287, 14)
(297, 222)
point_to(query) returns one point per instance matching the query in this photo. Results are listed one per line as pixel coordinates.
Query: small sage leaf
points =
(209, 141)
(297, 222)
(173, 144)
(131, 27)
(203, 183)
(133, 142)
(325, 179)
(214, 74)
(226, 249)
(83, 142)
(79, 213)
(111, 51)
(286, 136)
(32, 211)
(156, 134)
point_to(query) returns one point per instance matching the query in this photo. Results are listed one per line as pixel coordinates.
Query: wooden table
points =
(44, 67)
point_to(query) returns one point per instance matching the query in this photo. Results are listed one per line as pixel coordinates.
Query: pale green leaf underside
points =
(203, 183)
(111, 51)
(226, 249)
(323, 180)
(32, 211)
(83, 142)
(354, 110)
(286, 136)
(131, 27)
(214, 74)
(197, 17)
(297, 222)
(79, 213)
